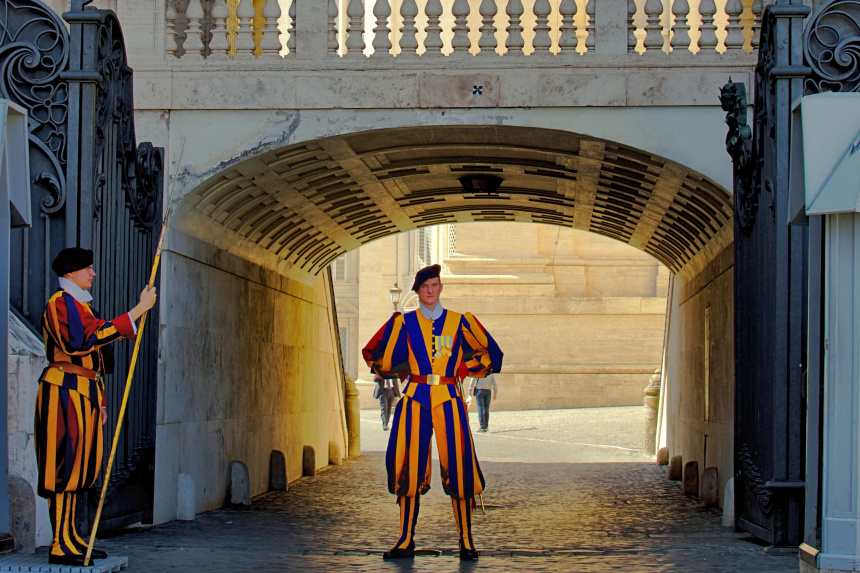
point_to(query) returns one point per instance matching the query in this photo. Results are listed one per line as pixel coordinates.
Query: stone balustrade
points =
(383, 29)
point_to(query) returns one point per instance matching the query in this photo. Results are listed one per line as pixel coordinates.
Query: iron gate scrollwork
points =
(94, 187)
(770, 290)
(831, 48)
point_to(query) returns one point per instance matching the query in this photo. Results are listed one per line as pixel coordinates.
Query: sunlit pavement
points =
(567, 490)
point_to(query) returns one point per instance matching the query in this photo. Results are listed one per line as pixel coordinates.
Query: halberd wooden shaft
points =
(137, 341)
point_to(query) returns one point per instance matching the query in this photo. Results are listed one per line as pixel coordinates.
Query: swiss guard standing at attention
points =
(70, 403)
(437, 349)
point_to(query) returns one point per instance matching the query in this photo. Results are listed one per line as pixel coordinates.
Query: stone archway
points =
(300, 207)
(250, 247)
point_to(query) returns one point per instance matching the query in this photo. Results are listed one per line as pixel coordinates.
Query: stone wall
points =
(700, 397)
(248, 365)
(26, 362)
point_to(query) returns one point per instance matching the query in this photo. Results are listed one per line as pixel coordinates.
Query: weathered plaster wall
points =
(695, 431)
(26, 362)
(248, 365)
(216, 138)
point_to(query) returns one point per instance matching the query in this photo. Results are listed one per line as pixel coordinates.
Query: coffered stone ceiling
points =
(297, 208)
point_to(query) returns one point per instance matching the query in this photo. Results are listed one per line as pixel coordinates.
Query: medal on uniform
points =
(443, 345)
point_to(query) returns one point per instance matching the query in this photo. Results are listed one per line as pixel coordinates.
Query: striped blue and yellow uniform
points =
(454, 346)
(68, 433)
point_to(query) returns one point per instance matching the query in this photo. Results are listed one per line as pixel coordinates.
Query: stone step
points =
(40, 563)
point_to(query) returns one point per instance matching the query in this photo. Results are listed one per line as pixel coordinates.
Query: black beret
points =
(424, 275)
(71, 260)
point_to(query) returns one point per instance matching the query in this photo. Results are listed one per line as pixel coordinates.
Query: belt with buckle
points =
(433, 379)
(76, 370)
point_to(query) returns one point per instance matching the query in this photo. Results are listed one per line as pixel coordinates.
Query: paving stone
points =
(576, 517)
(39, 562)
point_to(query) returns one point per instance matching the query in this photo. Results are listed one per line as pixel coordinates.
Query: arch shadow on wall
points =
(297, 208)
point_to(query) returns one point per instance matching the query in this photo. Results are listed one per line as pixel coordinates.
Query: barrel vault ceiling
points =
(299, 207)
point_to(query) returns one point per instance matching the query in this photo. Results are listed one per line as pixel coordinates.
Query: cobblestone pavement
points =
(541, 516)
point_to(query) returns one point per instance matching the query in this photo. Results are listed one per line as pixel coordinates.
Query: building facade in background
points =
(581, 317)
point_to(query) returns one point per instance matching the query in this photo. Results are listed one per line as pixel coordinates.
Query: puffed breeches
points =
(69, 440)
(408, 457)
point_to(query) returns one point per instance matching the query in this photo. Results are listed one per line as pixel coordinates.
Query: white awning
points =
(825, 156)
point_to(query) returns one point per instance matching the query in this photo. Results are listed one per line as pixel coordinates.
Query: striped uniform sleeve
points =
(77, 332)
(387, 353)
(481, 354)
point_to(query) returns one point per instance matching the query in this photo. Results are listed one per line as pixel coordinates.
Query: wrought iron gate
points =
(770, 291)
(94, 187)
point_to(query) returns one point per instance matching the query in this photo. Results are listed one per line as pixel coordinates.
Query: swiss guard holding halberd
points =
(436, 348)
(70, 403)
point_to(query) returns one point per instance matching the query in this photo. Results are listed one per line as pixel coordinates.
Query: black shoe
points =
(469, 555)
(74, 560)
(97, 554)
(396, 553)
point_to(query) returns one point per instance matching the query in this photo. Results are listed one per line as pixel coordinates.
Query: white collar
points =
(431, 313)
(79, 294)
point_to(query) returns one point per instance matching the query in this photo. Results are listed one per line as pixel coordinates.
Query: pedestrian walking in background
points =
(388, 391)
(484, 390)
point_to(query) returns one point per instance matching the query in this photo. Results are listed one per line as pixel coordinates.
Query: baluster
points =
(433, 41)
(460, 42)
(591, 38)
(355, 30)
(653, 29)
(408, 40)
(680, 31)
(381, 41)
(757, 7)
(271, 42)
(170, 33)
(567, 30)
(708, 40)
(487, 42)
(734, 30)
(194, 47)
(291, 41)
(514, 43)
(245, 45)
(542, 41)
(219, 46)
(332, 26)
(631, 27)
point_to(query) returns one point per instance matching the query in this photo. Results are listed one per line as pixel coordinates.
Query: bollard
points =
(353, 420)
(652, 399)
(309, 461)
(277, 471)
(333, 454)
(663, 457)
(691, 478)
(186, 505)
(675, 468)
(729, 503)
(240, 484)
(711, 487)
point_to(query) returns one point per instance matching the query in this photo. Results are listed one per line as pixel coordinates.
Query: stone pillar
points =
(353, 419)
(652, 399)
(14, 211)
(840, 543)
